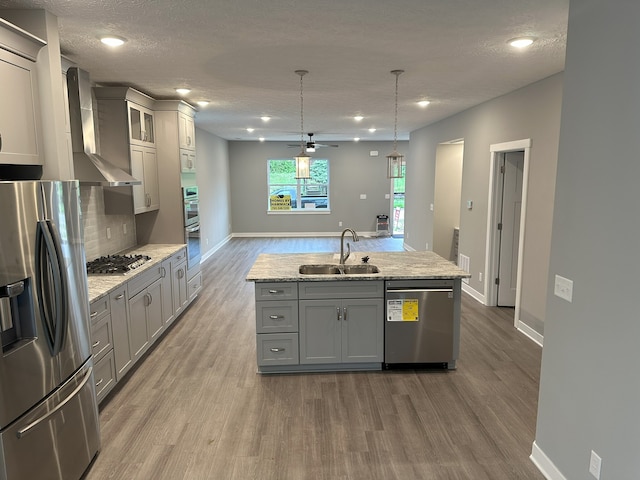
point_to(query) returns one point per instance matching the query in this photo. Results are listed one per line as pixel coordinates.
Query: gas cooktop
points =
(111, 264)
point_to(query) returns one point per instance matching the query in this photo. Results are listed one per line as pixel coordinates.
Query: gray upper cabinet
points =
(20, 142)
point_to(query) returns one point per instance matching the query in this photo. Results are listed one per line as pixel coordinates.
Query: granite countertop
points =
(392, 265)
(103, 284)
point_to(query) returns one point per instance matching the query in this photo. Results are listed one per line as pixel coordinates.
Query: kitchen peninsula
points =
(307, 322)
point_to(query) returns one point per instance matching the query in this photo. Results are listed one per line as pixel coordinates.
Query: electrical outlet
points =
(339, 224)
(480, 276)
(387, 196)
(206, 241)
(595, 464)
(427, 246)
(108, 233)
(431, 207)
(563, 288)
(124, 228)
(363, 196)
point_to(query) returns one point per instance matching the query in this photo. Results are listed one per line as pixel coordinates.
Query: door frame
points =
(492, 254)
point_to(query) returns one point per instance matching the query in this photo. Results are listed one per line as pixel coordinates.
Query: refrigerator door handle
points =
(23, 431)
(52, 298)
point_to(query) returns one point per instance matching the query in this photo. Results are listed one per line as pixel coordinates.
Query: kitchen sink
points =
(332, 269)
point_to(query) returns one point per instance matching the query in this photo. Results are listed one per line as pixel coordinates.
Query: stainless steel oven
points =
(191, 212)
(192, 239)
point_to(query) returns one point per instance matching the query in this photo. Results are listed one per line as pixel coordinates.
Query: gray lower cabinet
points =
(179, 282)
(102, 346)
(145, 317)
(119, 318)
(168, 312)
(341, 331)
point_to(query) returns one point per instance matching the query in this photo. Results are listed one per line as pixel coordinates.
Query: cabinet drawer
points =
(194, 285)
(342, 289)
(277, 349)
(276, 291)
(98, 309)
(101, 337)
(178, 258)
(104, 373)
(277, 316)
(142, 281)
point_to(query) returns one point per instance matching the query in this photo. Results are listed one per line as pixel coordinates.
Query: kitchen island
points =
(336, 321)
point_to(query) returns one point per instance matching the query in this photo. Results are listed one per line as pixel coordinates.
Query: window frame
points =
(298, 188)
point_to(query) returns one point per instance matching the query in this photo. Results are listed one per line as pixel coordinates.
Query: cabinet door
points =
(320, 331)
(179, 281)
(187, 161)
(138, 332)
(186, 132)
(154, 310)
(362, 330)
(19, 117)
(120, 328)
(168, 313)
(144, 166)
(141, 125)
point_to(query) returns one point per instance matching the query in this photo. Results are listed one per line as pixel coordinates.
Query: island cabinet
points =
(319, 326)
(20, 132)
(341, 322)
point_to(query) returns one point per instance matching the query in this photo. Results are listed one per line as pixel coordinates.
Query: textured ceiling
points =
(241, 56)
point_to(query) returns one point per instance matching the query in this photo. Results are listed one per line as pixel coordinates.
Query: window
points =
(289, 194)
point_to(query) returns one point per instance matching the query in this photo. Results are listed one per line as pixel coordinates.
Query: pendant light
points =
(395, 161)
(302, 159)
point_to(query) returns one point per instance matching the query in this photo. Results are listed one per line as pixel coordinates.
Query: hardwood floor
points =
(195, 408)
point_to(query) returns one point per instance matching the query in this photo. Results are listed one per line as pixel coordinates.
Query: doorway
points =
(397, 205)
(505, 244)
(447, 199)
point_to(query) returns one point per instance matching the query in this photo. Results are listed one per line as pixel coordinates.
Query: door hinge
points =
(501, 168)
(500, 226)
(497, 281)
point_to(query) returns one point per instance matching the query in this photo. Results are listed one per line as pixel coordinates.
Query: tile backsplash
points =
(98, 226)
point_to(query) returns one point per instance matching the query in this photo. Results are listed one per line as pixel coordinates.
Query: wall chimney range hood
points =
(90, 168)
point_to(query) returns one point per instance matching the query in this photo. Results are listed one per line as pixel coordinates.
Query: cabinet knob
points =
(275, 317)
(339, 317)
(99, 382)
(96, 344)
(120, 297)
(276, 349)
(93, 314)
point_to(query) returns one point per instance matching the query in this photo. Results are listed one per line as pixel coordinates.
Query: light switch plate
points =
(563, 288)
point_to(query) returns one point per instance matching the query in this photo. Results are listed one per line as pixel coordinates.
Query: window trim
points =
(298, 185)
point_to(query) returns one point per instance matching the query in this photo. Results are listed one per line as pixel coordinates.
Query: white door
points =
(512, 166)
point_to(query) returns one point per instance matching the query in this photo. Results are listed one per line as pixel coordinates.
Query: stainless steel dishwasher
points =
(420, 326)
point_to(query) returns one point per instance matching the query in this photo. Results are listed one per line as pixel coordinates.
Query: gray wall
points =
(213, 186)
(589, 389)
(352, 172)
(531, 112)
(448, 188)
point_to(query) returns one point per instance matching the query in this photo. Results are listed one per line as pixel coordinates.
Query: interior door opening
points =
(397, 205)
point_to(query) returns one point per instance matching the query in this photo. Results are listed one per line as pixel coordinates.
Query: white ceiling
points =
(241, 56)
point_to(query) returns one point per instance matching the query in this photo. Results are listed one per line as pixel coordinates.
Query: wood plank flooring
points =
(195, 408)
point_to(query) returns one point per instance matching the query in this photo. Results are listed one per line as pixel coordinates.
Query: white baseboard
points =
(296, 234)
(544, 464)
(474, 293)
(531, 333)
(214, 249)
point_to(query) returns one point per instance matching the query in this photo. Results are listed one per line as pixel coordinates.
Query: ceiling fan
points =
(311, 145)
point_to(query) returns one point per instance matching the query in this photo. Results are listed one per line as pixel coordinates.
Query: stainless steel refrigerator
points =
(48, 412)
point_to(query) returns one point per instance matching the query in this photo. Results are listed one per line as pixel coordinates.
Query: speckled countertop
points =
(103, 284)
(392, 265)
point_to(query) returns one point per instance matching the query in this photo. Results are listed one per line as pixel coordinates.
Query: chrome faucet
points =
(343, 257)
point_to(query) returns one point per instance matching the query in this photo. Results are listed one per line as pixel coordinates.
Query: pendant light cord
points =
(302, 73)
(395, 125)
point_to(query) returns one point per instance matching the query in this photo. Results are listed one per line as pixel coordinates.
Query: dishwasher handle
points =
(417, 290)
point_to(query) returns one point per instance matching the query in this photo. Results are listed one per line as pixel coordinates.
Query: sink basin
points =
(320, 269)
(331, 269)
(360, 269)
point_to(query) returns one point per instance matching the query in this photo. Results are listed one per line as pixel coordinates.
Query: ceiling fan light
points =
(311, 149)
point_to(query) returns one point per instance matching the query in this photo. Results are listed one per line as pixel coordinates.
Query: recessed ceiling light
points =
(356, 139)
(521, 42)
(424, 103)
(358, 118)
(112, 40)
(372, 130)
(265, 118)
(203, 103)
(250, 130)
(183, 91)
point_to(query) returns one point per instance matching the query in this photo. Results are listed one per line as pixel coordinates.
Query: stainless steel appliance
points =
(48, 411)
(191, 205)
(419, 323)
(191, 225)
